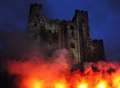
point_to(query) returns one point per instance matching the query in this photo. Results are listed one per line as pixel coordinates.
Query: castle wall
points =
(71, 35)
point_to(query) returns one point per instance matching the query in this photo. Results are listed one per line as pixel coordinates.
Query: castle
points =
(72, 35)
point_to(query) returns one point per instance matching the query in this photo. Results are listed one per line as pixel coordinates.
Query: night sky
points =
(104, 18)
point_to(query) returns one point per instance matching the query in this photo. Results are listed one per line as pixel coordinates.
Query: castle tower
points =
(43, 30)
(97, 50)
(73, 42)
(81, 21)
(36, 20)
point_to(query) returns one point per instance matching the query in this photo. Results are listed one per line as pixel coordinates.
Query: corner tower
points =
(36, 20)
(80, 19)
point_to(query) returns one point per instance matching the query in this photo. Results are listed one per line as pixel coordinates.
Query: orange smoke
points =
(56, 74)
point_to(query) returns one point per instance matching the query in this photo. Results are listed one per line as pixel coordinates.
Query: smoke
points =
(27, 59)
(20, 45)
(36, 68)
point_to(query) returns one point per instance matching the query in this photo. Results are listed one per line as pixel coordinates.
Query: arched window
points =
(72, 45)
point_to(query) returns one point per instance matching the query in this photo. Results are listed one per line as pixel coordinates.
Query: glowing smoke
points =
(39, 73)
(39, 69)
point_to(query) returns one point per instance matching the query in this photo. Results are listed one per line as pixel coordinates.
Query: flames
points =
(56, 74)
(99, 75)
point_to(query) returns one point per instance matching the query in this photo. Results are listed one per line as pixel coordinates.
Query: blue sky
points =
(104, 18)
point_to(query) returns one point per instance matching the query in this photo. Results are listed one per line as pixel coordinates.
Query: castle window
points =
(71, 27)
(72, 33)
(35, 24)
(72, 45)
(37, 15)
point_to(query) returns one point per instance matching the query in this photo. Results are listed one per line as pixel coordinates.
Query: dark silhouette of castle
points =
(72, 35)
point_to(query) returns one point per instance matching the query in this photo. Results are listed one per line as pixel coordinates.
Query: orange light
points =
(82, 85)
(60, 85)
(39, 74)
(102, 84)
(37, 84)
(34, 84)
(116, 82)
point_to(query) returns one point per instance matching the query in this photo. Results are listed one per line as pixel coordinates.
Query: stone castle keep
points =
(72, 35)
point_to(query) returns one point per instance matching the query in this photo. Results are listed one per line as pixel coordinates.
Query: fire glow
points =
(40, 74)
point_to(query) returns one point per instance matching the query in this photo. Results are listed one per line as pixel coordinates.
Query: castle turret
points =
(97, 50)
(36, 20)
(81, 21)
(35, 10)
